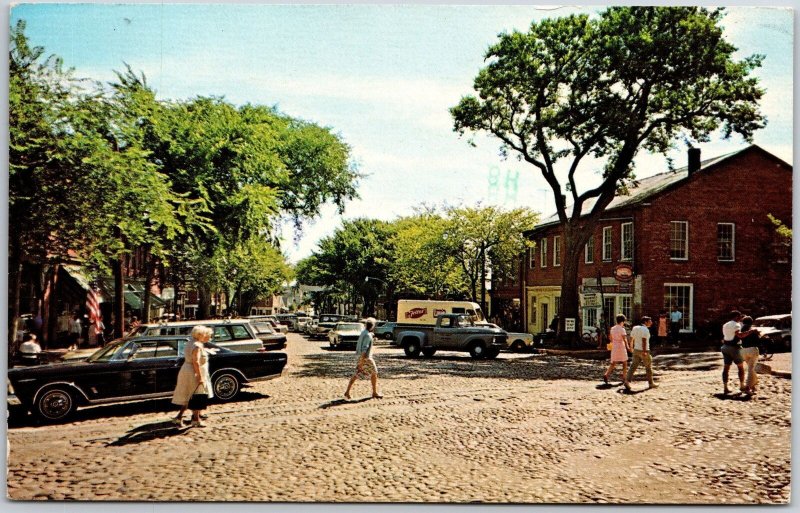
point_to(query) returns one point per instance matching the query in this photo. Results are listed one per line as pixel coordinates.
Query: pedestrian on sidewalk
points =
(365, 364)
(619, 350)
(193, 376)
(750, 353)
(641, 351)
(661, 329)
(732, 350)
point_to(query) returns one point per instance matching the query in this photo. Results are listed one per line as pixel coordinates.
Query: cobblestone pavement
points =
(522, 428)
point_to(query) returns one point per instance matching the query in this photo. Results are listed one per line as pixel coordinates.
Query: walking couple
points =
(740, 345)
(638, 343)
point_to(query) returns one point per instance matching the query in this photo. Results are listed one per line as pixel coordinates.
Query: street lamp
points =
(367, 278)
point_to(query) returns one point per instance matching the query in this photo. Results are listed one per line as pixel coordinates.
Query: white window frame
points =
(557, 251)
(733, 243)
(690, 325)
(622, 255)
(543, 253)
(607, 236)
(586, 259)
(679, 259)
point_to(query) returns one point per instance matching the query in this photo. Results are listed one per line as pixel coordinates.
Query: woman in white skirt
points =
(193, 375)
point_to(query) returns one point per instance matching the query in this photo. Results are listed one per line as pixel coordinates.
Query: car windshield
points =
(766, 323)
(263, 327)
(350, 326)
(104, 354)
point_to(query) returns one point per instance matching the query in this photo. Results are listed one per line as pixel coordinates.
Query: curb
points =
(763, 368)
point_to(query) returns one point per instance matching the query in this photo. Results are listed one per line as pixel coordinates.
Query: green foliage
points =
(781, 229)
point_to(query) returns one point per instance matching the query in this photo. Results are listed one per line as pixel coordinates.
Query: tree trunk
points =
(483, 281)
(149, 266)
(574, 240)
(15, 284)
(118, 264)
(204, 302)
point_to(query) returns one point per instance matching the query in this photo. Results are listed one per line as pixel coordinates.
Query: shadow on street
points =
(20, 418)
(146, 432)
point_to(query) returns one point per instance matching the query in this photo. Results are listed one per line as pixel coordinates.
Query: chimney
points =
(694, 160)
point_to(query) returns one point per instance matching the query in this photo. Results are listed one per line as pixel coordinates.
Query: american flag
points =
(93, 306)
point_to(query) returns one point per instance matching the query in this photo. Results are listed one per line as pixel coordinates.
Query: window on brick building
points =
(625, 307)
(679, 295)
(556, 251)
(627, 242)
(607, 244)
(588, 252)
(679, 240)
(726, 233)
(543, 252)
(531, 257)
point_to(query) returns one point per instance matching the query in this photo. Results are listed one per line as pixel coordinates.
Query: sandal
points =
(377, 396)
(198, 424)
(176, 421)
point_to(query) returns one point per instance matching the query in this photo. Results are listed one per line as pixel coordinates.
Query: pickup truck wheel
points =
(55, 404)
(478, 350)
(429, 351)
(387, 336)
(411, 347)
(518, 346)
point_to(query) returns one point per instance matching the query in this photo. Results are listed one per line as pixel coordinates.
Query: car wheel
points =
(518, 346)
(429, 351)
(411, 347)
(55, 404)
(226, 386)
(787, 343)
(478, 350)
(387, 336)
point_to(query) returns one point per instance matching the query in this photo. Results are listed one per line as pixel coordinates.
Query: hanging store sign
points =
(623, 272)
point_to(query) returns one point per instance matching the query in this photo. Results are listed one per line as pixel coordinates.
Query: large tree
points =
(607, 87)
(487, 239)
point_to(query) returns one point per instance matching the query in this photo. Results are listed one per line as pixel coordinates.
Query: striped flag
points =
(93, 306)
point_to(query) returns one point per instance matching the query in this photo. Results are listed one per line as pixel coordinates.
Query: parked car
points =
(519, 342)
(301, 323)
(385, 329)
(234, 334)
(325, 323)
(132, 369)
(777, 330)
(287, 320)
(271, 339)
(345, 334)
(272, 320)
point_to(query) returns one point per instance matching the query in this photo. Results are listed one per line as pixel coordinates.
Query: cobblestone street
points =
(522, 428)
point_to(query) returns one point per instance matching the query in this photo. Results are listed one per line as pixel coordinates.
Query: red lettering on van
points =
(416, 313)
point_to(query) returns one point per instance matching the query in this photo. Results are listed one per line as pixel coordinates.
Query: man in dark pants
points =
(675, 325)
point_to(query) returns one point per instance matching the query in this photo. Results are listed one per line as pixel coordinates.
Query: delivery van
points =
(424, 312)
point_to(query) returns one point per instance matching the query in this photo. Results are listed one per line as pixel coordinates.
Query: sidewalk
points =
(779, 365)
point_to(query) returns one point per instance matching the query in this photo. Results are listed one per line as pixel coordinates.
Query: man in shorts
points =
(366, 364)
(732, 350)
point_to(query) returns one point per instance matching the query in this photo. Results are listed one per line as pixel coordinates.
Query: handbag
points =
(609, 346)
(199, 400)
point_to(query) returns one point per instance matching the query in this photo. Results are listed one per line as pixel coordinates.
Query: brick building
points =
(697, 238)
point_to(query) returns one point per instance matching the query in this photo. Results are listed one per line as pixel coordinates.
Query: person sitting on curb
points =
(641, 351)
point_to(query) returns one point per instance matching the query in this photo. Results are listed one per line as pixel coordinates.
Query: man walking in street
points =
(641, 351)
(365, 364)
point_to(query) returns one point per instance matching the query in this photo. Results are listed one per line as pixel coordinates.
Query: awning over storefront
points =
(134, 293)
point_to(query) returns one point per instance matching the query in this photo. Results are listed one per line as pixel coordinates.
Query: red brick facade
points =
(728, 199)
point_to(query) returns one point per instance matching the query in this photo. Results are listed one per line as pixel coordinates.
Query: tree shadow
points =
(147, 432)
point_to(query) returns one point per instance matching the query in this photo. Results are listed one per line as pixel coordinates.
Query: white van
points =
(424, 312)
